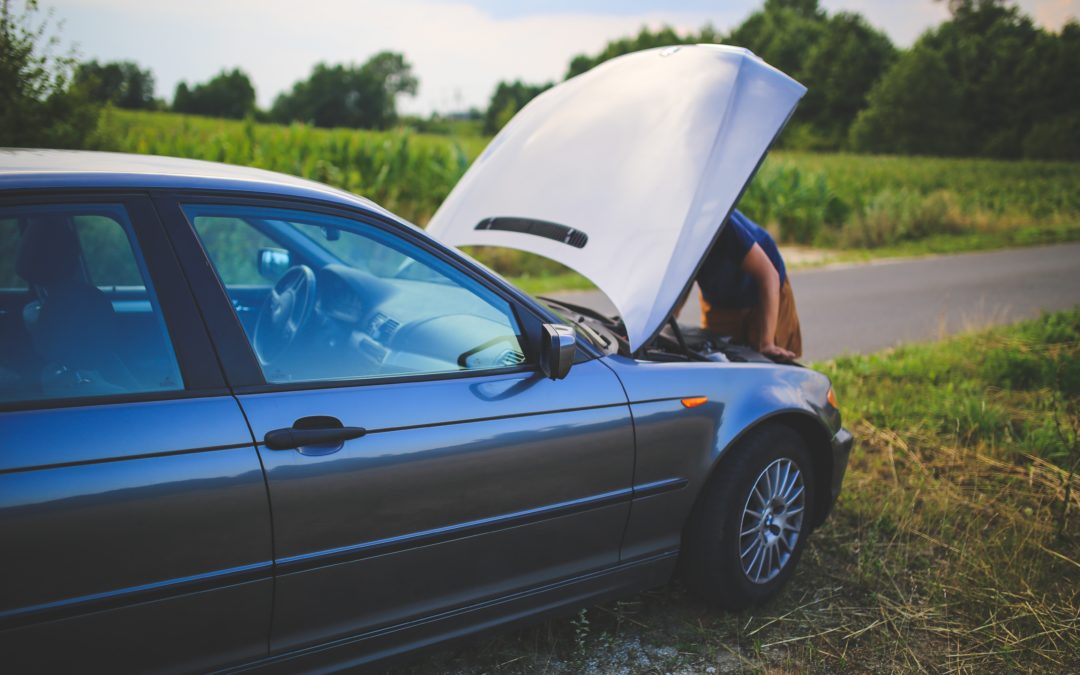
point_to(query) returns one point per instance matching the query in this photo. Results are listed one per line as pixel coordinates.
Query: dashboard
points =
(364, 326)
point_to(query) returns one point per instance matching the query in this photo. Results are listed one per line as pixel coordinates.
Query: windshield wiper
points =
(584, 311)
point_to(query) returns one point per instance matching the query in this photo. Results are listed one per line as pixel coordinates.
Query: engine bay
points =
(676, 342)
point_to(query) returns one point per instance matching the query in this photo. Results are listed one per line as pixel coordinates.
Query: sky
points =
(459, 49)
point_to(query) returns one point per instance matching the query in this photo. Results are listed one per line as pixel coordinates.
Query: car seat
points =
(72, 324)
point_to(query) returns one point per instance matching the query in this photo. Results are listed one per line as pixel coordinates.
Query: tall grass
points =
(835, 200)
(865, 201)
(406, 172)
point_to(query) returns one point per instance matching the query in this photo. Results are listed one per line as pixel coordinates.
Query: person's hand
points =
(776, 353)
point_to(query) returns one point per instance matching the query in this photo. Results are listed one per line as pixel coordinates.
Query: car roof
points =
(73, 169)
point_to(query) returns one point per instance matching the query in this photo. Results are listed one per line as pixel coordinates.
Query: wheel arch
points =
(818, 442)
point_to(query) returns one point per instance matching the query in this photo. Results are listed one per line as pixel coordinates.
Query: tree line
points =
(340, 95)
(986, 82)
(48, 98)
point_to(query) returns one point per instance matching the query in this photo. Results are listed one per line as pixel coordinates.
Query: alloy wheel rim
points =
(772, 520)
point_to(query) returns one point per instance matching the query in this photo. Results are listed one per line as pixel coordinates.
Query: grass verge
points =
(944, 244)
(949, 549)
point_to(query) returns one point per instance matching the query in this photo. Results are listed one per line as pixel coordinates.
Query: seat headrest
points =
(48, 251)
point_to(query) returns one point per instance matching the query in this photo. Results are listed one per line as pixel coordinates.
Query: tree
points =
(349, 95)
(1005, 86)
(1055, 98)
(782, 33)
(929, 122)
(508, 99)
(645, 39)
(38, 105)
(840, 68)
(120, 83)
(228, 94)
(838, 58)
(395, 76)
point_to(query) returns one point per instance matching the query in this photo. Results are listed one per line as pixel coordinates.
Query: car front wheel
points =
(750, 525)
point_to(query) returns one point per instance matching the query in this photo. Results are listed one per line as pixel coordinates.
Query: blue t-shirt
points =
(723, 282)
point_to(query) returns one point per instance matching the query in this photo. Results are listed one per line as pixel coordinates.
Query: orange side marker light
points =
(694, 401)
(831, 396)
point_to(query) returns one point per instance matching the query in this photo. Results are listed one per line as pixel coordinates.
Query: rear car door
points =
(133, 511)
(476, 475)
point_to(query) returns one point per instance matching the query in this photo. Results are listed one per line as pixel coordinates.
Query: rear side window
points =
(78, 315)
(110, 260)
(9, 241)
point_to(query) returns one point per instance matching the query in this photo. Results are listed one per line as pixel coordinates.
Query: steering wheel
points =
(287, 308)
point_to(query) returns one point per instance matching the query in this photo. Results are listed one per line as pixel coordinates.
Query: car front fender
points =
(680, 447)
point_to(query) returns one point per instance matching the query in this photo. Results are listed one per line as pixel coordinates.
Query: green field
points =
(865, 205)
(949, 549)
(408, 173)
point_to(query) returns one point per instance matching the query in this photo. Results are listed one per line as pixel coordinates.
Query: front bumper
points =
(841, 451)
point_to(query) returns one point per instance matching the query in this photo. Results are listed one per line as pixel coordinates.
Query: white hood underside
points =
(645, 154)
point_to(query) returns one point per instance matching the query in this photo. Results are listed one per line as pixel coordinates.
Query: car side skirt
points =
(402, 640)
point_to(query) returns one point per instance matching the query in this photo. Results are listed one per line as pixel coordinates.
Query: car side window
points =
(340, 299)
(106, 252)
(9, 241)
(78, 315)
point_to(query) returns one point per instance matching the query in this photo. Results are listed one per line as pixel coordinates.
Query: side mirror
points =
(557, 350)
(273, 262)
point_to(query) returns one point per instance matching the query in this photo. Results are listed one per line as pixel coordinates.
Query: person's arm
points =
(757, 264)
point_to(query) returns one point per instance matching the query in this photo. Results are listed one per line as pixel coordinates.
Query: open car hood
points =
(626, 173)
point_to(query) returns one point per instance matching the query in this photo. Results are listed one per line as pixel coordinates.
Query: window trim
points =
(190, 345)
(245, 376)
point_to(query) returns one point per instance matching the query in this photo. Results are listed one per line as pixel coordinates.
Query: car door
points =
(459, 473)
(133, 512)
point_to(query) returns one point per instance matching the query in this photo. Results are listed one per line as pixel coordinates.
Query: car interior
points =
(64, 334)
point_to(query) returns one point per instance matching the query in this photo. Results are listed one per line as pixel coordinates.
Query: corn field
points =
(836, 200)
(408, 173)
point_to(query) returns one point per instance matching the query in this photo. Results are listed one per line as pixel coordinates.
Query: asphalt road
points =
(865, 308)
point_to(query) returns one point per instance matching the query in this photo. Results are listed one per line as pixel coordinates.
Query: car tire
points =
(738, 548)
